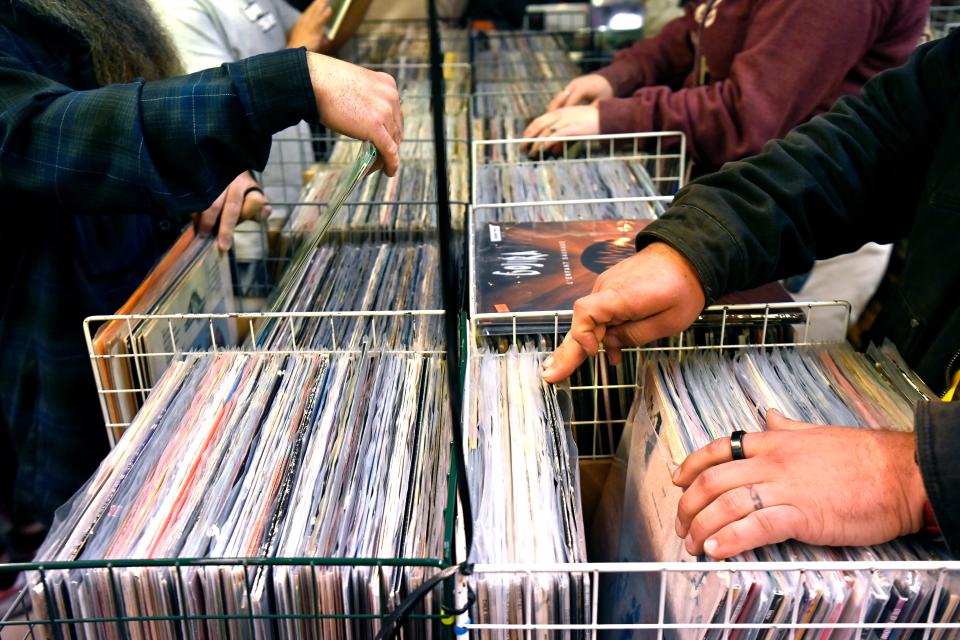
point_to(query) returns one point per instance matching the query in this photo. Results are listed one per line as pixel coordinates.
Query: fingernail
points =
(678, 527)
(710, 547)
(688, 544)
(547, 364)
(676, 476)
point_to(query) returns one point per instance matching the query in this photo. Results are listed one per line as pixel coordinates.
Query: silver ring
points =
(736, 445)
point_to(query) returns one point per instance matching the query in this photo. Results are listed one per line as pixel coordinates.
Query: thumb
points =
(776, 421)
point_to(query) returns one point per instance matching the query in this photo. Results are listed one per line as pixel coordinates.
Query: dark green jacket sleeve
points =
(847, 177)
(168, 145)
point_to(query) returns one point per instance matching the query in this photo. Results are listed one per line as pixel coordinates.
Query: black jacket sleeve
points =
(845, 178)
(937, 425)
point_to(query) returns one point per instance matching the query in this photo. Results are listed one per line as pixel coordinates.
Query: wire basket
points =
(651, 599)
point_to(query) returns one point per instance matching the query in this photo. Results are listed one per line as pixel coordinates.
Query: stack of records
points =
(561, 180)
(705, 396)
(193, 277)
(502, 110)
(403, 203)
(524, 488)
(261, 456)
(366, 276)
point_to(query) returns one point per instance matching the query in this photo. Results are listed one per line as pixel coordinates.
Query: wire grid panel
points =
(603, 393)
(665, 577)
(121, 616)
(642, 596)
(133, 351)
(662, 154)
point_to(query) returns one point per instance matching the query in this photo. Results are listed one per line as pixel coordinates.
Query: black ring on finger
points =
(251, 190)
(736, 445)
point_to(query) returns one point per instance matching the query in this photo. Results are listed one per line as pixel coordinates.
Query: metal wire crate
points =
(125, 618)
(661, 154)
(125, 376)
(617, 608)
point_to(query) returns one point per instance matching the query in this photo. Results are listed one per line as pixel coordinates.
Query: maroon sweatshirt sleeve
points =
(794, 55)
(664, 59)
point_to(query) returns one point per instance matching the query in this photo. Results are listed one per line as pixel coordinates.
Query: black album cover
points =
(546, 266)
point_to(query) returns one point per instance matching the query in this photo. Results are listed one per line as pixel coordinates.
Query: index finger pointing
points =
(564, 361)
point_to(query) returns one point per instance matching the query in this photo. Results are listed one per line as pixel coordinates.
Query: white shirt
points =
(208, 33)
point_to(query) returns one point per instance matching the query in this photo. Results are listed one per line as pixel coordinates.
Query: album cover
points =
(546, 266)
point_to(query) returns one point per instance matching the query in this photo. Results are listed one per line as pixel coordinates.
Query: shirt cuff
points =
(624, 115)
(938, 446)
(702, 239)
(278, 90)
(621, 77)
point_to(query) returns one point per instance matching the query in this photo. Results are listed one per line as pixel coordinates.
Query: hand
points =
(360, 103)
(653, 294)
(583, 89)
(309, 31)
(231, 207)
(569, 121)
(834, 486)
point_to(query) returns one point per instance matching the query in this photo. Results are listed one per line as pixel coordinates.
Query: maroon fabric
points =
(765, 67)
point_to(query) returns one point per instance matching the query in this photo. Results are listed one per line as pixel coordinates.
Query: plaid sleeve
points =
(170, 145)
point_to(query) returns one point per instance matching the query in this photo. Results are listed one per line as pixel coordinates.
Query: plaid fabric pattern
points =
(94, 184)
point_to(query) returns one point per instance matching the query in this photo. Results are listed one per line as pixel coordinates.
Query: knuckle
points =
(709, 481)
(718, 447)
(764, 522)
(730, 501)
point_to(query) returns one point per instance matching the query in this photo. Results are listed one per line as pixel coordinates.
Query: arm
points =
(793, 55)
(664, 59)
(848, 177)
(170, 145)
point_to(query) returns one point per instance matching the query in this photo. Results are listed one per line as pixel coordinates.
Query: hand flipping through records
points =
(830, 485)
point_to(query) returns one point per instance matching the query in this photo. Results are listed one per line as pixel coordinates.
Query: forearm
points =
(170, 145)
(851, 176)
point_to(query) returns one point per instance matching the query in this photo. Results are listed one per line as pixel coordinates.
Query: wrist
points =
(921, 511)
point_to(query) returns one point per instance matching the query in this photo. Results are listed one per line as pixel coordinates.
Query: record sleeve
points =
(545, 266)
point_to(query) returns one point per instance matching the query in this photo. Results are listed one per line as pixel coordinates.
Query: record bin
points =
(616, 609)
(661, 154)
(122, 619)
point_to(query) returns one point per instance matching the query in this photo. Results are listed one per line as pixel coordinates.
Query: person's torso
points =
(61, 266)
(922, 313)
(723, 25)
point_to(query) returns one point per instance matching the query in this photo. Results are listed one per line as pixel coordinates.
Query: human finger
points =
(716, 453)
(564, 360)
(759, 528)
(713, 483)
(232, 208)
(559, 99)
(252, 204)
(208, 218)
(776, 421)
(728, 507)
(536, 129)
(590, 316)
(639, 332)
(388, 148)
